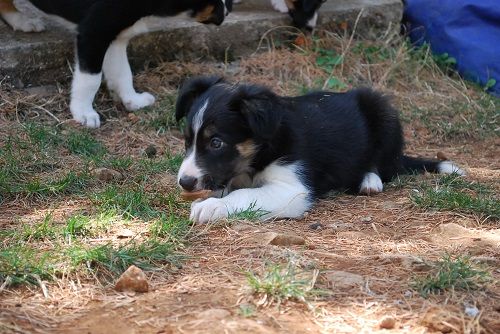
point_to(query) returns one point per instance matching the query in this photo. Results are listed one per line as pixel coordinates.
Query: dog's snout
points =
(188, 183)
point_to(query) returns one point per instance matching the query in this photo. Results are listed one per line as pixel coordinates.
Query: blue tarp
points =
(468, 30)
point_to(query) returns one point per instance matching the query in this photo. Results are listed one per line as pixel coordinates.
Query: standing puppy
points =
(104, 29)
(278, 154)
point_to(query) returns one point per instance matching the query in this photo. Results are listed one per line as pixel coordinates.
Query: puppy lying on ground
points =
(277, 154)
(104, 30)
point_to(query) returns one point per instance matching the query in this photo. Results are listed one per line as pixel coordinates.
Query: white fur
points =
(198, 119)
(189, 166)
(280, 6)
(449, 167)
(371, 184)
(22, 22)
(312, 22)
(119, 77)
(278, 191)
(83, 90)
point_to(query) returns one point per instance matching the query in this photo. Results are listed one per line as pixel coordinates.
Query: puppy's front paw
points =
(86, 116)
(21, 22)
(138, 101)
(208, 210)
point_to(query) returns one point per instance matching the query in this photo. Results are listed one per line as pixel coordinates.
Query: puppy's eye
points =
(216, 143)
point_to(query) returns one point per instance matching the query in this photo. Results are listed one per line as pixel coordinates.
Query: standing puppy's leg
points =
(119, 77)
(18, 20)
(83, 90)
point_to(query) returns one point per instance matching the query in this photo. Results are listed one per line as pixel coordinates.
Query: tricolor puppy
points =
(278, 154)
(304, 13)
(104, 29)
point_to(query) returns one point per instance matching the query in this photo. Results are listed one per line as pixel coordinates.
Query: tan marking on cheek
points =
(205, 14)
(246, 149)
(7, 6)
(290, 4)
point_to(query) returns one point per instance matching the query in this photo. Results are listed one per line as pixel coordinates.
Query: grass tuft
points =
(455, 193)
(451, 273)
(281, 283)
(252, 213)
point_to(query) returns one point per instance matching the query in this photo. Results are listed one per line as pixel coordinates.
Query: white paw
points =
(138, 101)
(372, 184)
(86, 116)
(208, 210)
(449, 167)
(19, 21)
(280, 6)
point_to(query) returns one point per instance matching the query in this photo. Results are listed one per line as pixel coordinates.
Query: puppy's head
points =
(304, 12)
(212, 11)
(225, 127)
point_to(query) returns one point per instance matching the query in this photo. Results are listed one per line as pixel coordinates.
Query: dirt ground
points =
(364, 251)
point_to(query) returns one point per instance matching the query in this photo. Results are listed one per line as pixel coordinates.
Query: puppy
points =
(104, 29)
(304, 13)
(279, 154)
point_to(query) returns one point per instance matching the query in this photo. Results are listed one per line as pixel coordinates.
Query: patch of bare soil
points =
(367, 249)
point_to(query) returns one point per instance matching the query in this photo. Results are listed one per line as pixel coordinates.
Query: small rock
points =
(471, 311)
(214, 314)
(287, 240)
(441, 156)
(150, 151)
(132, 117)
(366, 219)
(133, 279)
(125, 233)
(344, 279)
(388, 323)
(316, 226)
(106, 174)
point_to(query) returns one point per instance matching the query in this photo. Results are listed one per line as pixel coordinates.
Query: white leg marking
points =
(280, 6)
(22, 22)
(280, 193)
(119, 77)
(312, 22)
(449, 167)
(372, 184)
(83, 90)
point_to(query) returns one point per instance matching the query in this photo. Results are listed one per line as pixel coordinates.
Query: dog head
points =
(212, 11)
(304, 12)
(226, 125)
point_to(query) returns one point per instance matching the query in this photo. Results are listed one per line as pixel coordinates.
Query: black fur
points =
(336, 137)
(100, 21)
(303, 11)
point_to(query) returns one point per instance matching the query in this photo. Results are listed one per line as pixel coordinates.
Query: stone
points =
(125, 233)
(107, 174)
(343, 279)
(150, 151)
(213, 314)
(287, 240)
(133, 279)
(387, 323)
(316, 226)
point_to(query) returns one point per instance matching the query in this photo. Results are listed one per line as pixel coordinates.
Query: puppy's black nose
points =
(188, 182)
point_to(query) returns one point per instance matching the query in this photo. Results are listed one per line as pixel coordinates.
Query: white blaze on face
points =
(189, 166)
(313, 21)
(226, 11)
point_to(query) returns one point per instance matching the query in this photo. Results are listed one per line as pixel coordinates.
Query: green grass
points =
(167, 163)
(22, 264)
(128, 203)
(456, 273)
(112, 261)
(84, 144)
(252, 213)
(455, 193)
(281, 283)
(163, 115)
(170, 226)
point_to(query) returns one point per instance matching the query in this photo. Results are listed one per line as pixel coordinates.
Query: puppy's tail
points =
(411, 165)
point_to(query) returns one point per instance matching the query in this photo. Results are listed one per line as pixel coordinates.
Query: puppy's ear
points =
(190, 90)
(259, 106)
